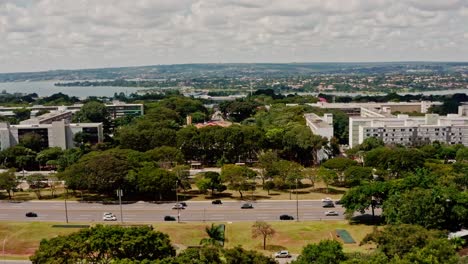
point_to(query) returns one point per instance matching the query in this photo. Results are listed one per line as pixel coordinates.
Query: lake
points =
(47, 88)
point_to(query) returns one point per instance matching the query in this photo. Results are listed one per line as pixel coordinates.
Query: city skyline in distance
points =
(47, 35)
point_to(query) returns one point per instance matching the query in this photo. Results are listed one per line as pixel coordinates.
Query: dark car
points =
(286, 217)
(326, 205)
(184, 204)
(31, 214)
(247, 206)
(216, 202)
(169, 218)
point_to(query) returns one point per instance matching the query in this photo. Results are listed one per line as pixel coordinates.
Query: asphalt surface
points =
(152, 212)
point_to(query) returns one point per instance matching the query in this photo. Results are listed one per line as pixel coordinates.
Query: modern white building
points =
(408, 130)
(56, 134)
(322, 126)
(116, 109)
(354, 109)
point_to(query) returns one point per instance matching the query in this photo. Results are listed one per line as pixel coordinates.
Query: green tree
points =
(154, 181)
(49, 154)
(398, 240)
(105, 244)
(265, 161)
(101, 172)
(431, 208)
(327, 176)
(239, 178)
(210, 181)
(238, 255)
(182, 172)
(165, 155)
(325, 252)
(32, 141)
(438, 251)
(22, 114)
(215, 235)
(354, 175)
(363, 197)
(462, 154)
(93, 111)
(8, 181)
(204, 255)
(37, 182)
(263, 230)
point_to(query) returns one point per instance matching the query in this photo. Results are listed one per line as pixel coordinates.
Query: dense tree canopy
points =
(104, 244)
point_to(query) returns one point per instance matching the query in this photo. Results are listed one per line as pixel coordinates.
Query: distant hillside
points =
(257, 70)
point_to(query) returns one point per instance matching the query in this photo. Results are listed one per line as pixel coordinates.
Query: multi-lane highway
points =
(150, 212)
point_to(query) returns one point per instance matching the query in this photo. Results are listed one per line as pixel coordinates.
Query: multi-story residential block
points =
(55, 134)
(408, 130)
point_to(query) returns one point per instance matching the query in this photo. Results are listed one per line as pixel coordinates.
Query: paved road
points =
(150, 212)
(7, 261)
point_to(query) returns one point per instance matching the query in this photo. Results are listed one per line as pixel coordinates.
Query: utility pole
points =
(66, 209)
(177, 201)
(120, 194)
(297, 203)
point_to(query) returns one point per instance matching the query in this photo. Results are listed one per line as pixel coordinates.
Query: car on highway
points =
(216, 202)
(184, 204)
(178, 206)
(286, 217)
(282, 254)
(331, 213)
(109, 217)
(31, 214)
(247, 206)
(327, 199)
(328, 204)
(169, 218)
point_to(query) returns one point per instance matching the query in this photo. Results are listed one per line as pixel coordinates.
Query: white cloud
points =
(50, 34)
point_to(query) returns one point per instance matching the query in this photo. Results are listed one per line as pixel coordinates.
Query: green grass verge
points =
(24, 238)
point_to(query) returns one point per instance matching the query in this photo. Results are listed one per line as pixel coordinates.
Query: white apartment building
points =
(55, 134)
(322, 126)
(408, 130)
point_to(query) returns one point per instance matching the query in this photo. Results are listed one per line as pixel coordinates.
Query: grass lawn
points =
(307, 193)
(292, 236)
(23, 238)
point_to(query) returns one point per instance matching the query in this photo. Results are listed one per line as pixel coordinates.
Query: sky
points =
(38, 35)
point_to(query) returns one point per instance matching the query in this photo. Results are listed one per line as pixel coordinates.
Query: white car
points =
(178, 206)
(331, 213)
(282, 254)
(109, 217)
(327, 199)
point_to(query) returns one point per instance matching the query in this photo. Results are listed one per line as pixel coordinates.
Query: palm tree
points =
(215, 235)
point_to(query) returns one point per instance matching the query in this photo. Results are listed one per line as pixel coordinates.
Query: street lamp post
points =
(66, 209)
(297, 203)
(177, 201)
(120, 193)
